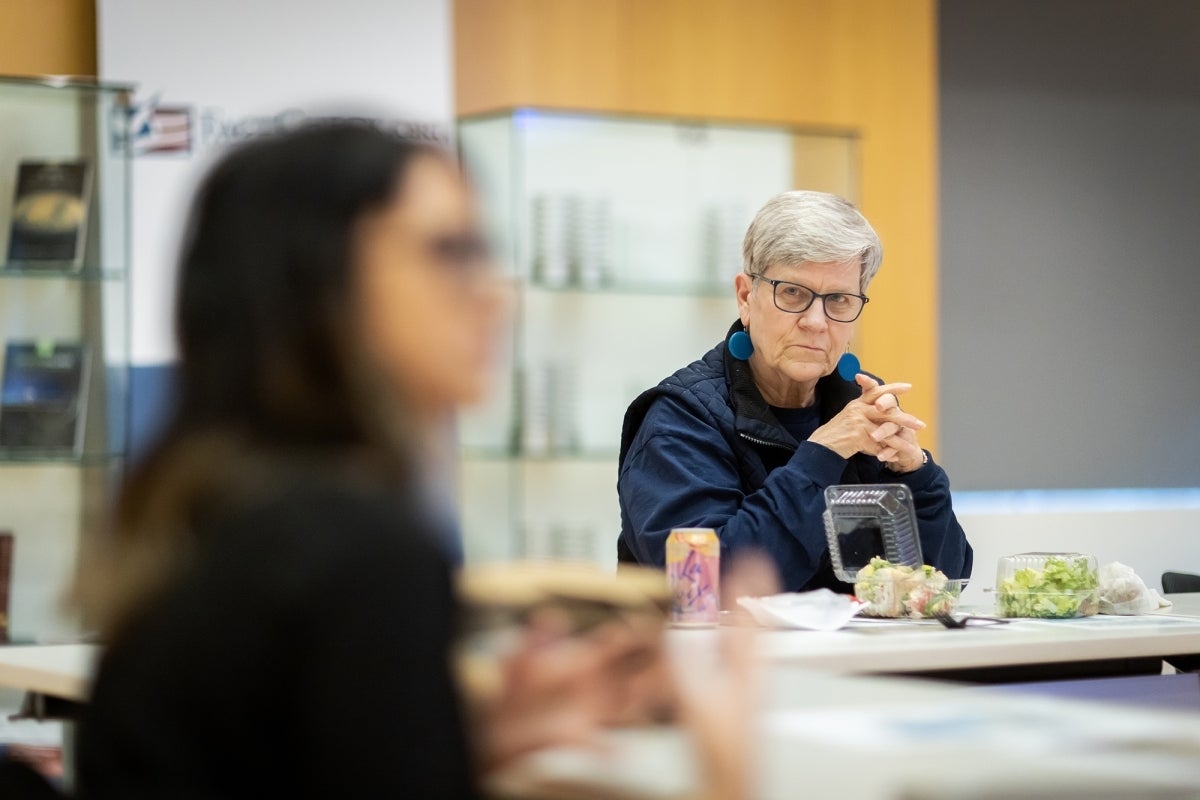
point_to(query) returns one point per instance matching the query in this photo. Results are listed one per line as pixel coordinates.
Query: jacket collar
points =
(753, 418)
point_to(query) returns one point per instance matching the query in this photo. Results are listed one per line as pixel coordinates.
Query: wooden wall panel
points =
(48, 37)
(826, 164)
(869, 65)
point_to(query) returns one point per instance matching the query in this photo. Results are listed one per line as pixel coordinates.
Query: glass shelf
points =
(83, 84)
(722, 291)
(22, 457)
(501, 454)
(62, 271)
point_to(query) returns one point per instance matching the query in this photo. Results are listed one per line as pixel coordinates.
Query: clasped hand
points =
(874, 424)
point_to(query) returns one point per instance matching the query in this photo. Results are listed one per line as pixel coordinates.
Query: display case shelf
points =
(67, 272)
(24, 458)
(562, 456)
(702, 290)
(622, 236)
(64, 406)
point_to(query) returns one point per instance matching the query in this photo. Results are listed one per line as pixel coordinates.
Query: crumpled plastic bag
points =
(1123, 592)
(818, 610)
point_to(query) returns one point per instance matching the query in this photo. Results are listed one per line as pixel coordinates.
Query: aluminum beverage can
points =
(694, 572)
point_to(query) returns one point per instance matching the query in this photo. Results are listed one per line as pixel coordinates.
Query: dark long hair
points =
(270, 374)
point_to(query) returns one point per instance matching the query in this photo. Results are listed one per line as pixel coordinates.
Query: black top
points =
(801, 423)
(305, 654)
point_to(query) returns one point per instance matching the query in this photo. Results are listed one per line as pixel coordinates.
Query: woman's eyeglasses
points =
(795, 299)
(461, 251)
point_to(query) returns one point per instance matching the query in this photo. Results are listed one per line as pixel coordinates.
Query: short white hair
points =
(799, 226)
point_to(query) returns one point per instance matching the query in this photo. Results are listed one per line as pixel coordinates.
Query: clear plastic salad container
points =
(1047, 585)
(897, 590)
(868, 521)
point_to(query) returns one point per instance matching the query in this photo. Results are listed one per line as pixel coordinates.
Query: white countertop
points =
(923, 646)
(65, 670)
(58, 670)
(875, 738)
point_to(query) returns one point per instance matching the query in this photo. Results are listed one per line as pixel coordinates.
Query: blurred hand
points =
(874, 424)
(561, 689)
(718, 698)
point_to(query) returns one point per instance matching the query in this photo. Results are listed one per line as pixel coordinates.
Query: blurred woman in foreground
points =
(276, 603)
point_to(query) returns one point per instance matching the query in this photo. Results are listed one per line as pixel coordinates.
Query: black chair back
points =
(1174, 582)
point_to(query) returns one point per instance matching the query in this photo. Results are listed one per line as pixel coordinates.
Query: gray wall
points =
(1070, 243)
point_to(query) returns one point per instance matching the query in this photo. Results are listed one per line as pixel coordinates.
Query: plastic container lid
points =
(866, 521)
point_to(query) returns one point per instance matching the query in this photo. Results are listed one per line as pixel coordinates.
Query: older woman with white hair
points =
(746, 439)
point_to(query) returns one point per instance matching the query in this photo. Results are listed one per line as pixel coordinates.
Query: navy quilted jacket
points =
(703, 450)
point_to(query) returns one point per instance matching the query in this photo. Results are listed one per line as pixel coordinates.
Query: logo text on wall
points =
(156, 128)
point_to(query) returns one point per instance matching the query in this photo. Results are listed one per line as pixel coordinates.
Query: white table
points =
(879, 735)
(824, 734)
(49, 674)
(64, 671)
(58, 670)
(873, 738)
(926, 647)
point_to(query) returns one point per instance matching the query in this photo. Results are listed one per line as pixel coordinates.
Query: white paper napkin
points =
(819, 610)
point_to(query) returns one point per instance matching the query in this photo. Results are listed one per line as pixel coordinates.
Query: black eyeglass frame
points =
(815, 296)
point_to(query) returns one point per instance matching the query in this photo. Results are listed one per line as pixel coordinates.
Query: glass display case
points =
(64, 317)
(622, 235)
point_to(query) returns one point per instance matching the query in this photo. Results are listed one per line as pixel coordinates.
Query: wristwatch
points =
(924, 461)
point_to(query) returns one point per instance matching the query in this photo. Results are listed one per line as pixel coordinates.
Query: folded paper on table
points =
(819, 610)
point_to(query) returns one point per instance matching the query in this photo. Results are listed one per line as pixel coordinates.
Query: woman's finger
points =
(886, 402)
(866, 382)
(903, 419)
(870, 395)
(886, 431)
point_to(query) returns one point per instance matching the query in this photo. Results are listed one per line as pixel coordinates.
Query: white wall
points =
(1151, 531)
(237, 61)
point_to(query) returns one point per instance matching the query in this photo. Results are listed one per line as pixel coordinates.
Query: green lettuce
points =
(1061, 588)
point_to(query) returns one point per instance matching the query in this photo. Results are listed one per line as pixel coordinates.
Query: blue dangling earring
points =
(740, 346)
(848, 366)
